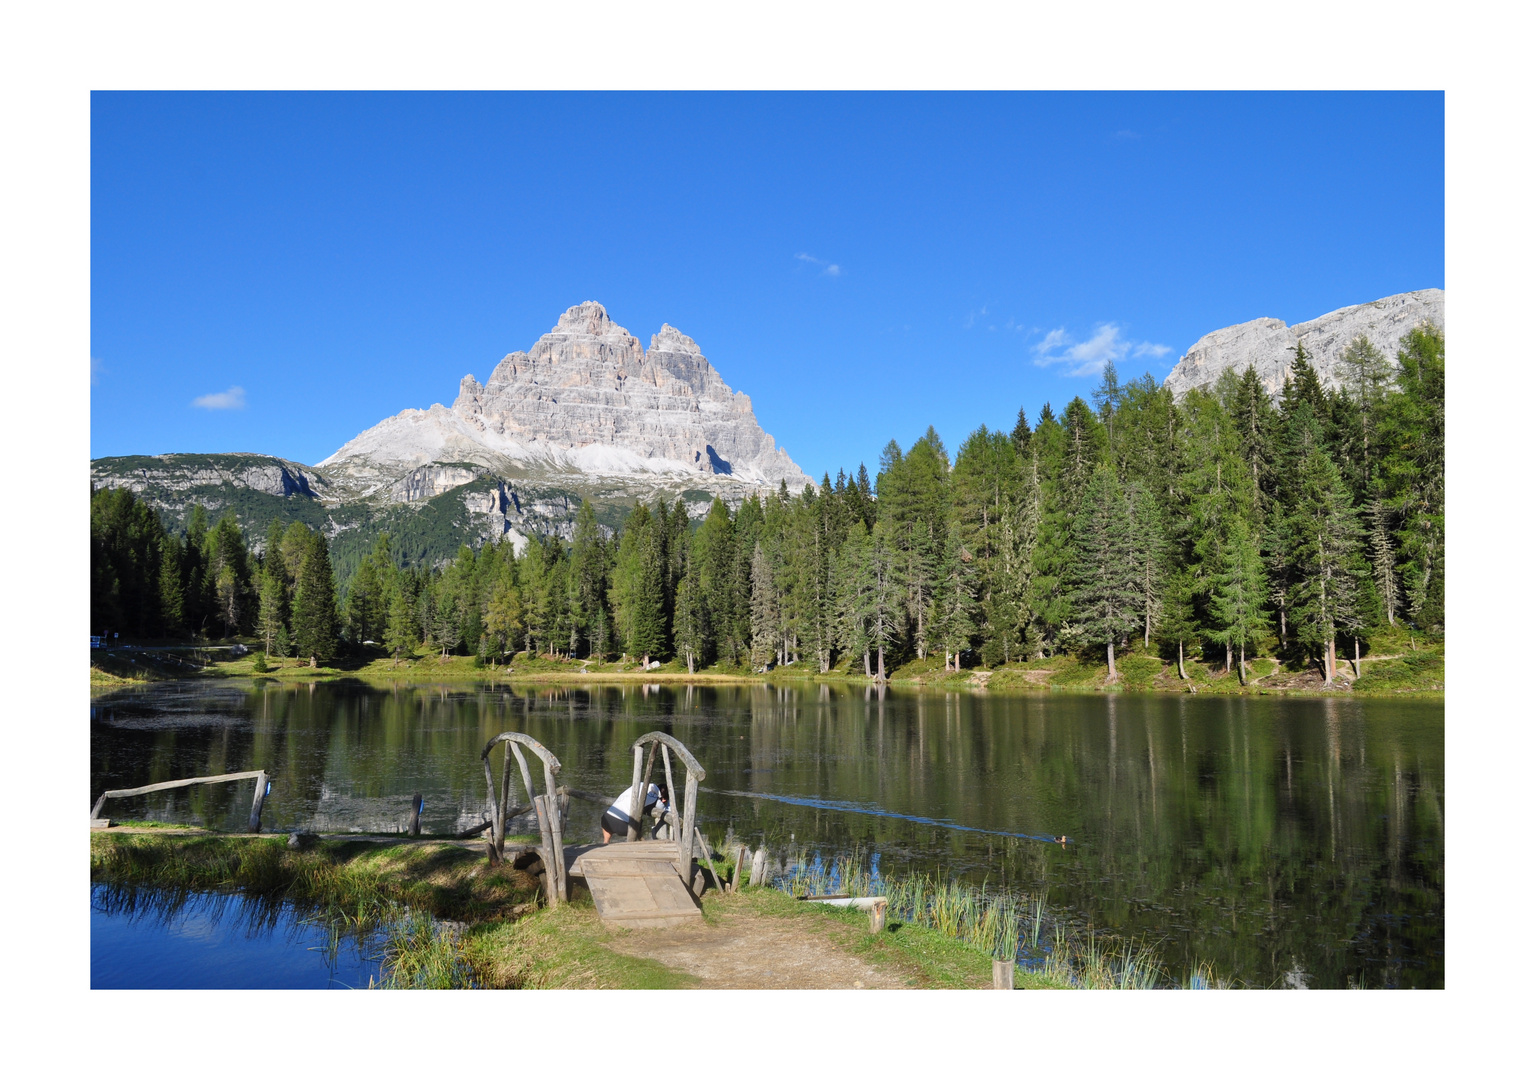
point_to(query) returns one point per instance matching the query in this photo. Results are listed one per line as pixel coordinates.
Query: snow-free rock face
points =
(587, 398)
(1269, 345)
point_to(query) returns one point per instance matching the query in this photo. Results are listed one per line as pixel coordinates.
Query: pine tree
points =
(1326, 556)
(272, 612)
(400, 623)
(638, 590)
(714, 557)
(764, 611)
(314, 604)
(1104, 589)
(691, 622)
(954, 600)
(1147, 547)
(1383, 559)
(1239, 590)
(1412, 473)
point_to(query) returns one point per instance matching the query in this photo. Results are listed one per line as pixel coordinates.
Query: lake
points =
(147, 940)
(1282, 841)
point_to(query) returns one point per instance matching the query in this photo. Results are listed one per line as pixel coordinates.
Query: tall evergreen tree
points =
(1239, 593)
(1326, 555)
(1103, 574)
(315, 621)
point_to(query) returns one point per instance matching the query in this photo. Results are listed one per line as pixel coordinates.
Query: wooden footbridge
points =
(647, 881)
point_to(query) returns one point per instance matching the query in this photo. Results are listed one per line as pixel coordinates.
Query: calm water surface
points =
(1282, 841)
(141, 940)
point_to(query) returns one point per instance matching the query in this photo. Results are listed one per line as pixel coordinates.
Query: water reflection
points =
(1272, 838)
(145, 939)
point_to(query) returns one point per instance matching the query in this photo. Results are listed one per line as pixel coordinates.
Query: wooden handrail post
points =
(685, 841)
(636, 801)
(415, 815)
(254, 824)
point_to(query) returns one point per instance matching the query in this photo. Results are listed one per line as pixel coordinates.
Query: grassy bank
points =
(507, 938)
(1396, 663)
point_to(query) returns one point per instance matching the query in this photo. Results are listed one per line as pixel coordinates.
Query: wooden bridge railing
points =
(644, 763)
(253, 823)
(546, 806)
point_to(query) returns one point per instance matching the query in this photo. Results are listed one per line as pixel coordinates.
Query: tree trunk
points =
(1329, 661)
(645, 662)
(867, 674)
(1112, 673)
(1228, 658)
(690, 662)
(1181, 673)
(1356, 657)
(882, 663)
(1242, 664)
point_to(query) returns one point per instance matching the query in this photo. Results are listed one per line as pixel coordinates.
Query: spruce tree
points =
(314, 604)
(1383, 559)
(271, 614)
(1239, 590)
(1326, 554)
(764, 611)
(1104, 589)
(954, 600)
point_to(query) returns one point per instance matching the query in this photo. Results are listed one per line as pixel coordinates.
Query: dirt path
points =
(745, 951)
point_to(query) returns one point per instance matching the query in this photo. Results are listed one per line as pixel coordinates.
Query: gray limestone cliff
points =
(1269, 345)
(586, 399)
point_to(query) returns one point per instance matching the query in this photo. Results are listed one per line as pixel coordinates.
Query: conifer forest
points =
(1224, 524)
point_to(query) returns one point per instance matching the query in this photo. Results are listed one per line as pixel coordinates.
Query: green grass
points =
(1421, 670)
(361, 881)
(563, 947)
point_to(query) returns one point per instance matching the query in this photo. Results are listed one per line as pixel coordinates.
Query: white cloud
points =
(233, 398)
(1088, 357)
(827, 269)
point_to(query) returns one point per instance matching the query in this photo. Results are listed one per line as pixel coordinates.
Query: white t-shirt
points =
(620, 807)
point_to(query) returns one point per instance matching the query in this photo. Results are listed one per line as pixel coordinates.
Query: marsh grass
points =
(1002, 925)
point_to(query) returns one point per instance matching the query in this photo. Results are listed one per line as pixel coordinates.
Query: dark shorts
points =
(612, 823)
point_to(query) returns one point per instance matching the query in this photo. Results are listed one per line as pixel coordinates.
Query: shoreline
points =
(1052, 676)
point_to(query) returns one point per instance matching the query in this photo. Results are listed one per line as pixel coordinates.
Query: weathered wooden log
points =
(876, 906)
(416, 804)
(635, 800)
(553, 857)
(254, 823)
(735, 878)
(689, 825)
(1002, 974)
(759, 867)
(703, 846)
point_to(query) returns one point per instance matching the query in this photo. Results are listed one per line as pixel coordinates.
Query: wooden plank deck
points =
(635, 885)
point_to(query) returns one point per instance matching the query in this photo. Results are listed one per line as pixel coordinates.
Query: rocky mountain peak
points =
(672, 340)
(587, 398)
(588, 318)
(1269, 345)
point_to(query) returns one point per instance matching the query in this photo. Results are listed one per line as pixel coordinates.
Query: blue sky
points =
(277, 272)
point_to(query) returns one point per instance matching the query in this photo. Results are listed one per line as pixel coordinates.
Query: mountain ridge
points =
(1268, 344)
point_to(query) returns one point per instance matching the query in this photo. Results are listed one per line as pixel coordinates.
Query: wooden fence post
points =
(735, 878)
(254, 824)
(415, 815)
(1002, 974)
(877, 915)
(759, 866)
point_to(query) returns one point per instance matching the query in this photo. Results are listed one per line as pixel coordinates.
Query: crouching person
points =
(616, 820)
